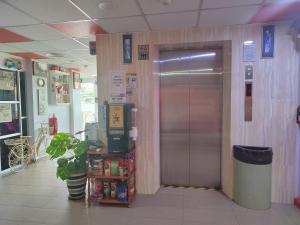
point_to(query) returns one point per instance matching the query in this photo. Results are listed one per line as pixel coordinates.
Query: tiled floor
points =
(35, 197)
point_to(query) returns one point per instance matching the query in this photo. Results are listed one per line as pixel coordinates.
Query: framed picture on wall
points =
(268, 36)
(76, 80)
(127, 48)
(40, 69)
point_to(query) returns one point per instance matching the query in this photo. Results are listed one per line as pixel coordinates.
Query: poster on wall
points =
(42, 101)
(5, 113)
(143, 52)
(118, 84)
(131, 83)
(116, 119)
(127, 48)
(7, 80)
(268, 36)
(76, 80)
(40, 69)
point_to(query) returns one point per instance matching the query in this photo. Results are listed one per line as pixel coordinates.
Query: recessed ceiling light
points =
(165, 2)
(55, 54)
(105, 5)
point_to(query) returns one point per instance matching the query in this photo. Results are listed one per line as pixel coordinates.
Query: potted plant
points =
(73, 168)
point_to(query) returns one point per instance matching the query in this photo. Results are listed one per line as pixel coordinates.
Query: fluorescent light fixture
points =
(207, 71)
(83, 12)
(205, 55)
(283, 1)
(188, 71)
(191, 73)
(249, 42)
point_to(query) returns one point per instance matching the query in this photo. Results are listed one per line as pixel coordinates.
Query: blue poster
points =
(268, 41)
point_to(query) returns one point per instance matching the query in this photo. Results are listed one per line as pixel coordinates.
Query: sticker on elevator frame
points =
(143, 52)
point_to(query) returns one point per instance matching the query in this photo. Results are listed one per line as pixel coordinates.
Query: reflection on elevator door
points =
(191, 84)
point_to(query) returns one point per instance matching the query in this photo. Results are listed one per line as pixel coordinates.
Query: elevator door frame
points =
(220, 151)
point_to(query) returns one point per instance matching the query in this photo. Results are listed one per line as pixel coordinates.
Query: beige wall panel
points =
(275, 92)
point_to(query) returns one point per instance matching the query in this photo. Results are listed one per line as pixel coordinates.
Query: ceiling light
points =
(105, 5)
(165, 2)
(55, 54)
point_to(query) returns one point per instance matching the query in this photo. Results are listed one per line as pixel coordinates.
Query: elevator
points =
(191, 86)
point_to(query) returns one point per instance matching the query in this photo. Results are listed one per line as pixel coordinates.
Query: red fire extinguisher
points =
(53, 125)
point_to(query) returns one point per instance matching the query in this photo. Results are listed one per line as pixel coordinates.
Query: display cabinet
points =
(111, 177)
(10, 111)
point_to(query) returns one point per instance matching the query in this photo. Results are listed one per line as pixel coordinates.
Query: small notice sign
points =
(118, 84)
(143, 52)
(130, 83)
(249, 51)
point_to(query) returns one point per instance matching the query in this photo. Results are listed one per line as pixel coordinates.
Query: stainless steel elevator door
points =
(191, 117)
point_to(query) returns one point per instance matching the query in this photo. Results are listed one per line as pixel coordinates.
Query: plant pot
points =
(76, 185)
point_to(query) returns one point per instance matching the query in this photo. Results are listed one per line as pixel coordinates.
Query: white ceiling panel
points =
(38, 32)
(8, 48)
(66, 44)
(49, 11)
(10, 16)
(172, 21)
(81, 54)
(155, 6)
(227, 16)
(78, 52)
(91, 59)
(31, 46)
(86, 40)
(127, 24)
(114, 8)
(228, 3)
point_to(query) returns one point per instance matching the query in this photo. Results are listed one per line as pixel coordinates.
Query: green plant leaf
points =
(59, 145)
(62, 161)
(80, 148)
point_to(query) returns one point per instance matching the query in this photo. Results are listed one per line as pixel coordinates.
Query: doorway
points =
(191, 96)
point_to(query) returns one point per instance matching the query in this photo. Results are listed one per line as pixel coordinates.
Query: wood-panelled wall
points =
(275, 91)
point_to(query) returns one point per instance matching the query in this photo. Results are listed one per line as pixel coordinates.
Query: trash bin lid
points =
(253, 154)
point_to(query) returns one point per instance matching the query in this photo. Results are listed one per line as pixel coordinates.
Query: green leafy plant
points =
(66, 166)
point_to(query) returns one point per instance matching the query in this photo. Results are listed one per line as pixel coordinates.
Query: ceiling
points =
(58, 31)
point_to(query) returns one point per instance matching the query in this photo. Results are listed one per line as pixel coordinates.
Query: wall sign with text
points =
(143, 52)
